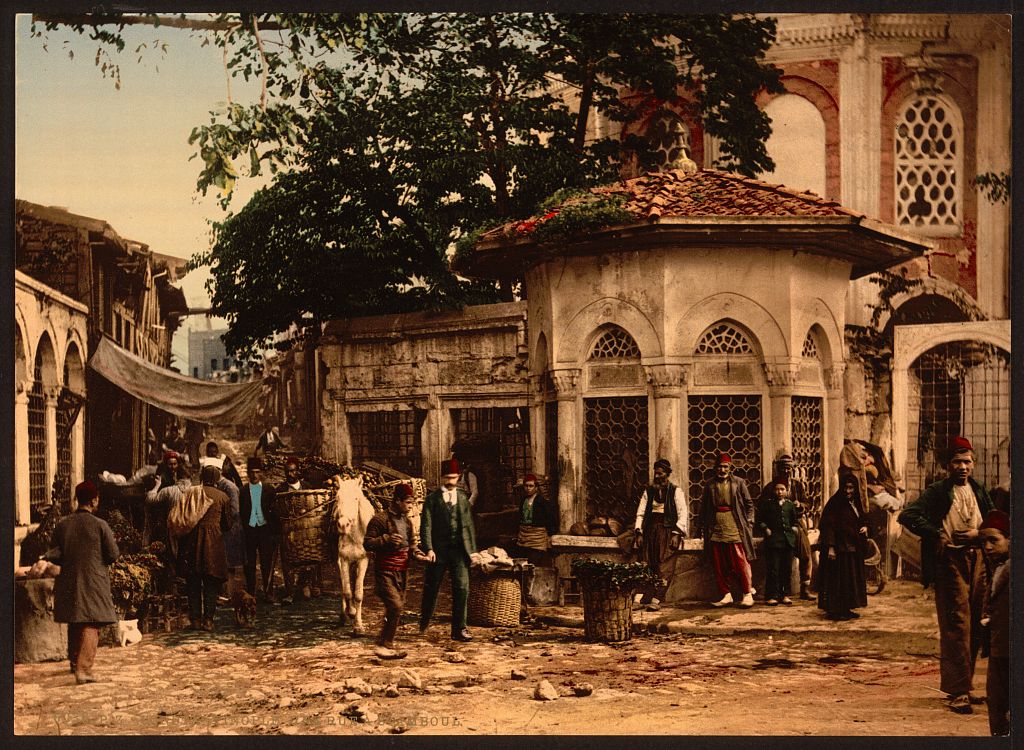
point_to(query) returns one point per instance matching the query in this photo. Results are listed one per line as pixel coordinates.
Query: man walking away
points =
(83, 546)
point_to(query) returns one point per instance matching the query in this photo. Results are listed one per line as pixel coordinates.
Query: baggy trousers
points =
(458, 566)
(83, 639)
(390, 587)
(961, 588)
(731, 565)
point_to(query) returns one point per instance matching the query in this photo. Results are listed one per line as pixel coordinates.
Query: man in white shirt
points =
(448, 539)
(947, 516)
(662, 521)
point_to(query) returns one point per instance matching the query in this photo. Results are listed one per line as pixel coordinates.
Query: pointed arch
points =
(580, 330)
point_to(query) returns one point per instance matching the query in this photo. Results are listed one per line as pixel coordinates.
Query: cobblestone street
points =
(296, 672)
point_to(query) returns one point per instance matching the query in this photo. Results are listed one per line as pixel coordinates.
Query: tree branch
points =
(149, 19)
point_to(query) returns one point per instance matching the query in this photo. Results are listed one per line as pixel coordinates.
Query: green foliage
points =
(995, 186)
(621, 576)
(392, 136)
(577, 216)
(136, 576)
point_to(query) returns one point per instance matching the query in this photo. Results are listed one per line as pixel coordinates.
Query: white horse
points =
(352, 514)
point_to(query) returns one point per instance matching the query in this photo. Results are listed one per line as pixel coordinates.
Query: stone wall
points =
(432, 362)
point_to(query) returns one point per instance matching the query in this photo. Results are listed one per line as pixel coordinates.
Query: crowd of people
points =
(221, 529)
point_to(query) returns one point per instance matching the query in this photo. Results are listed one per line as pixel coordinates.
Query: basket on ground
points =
(607, 612)
(306, 526)
(494, 599)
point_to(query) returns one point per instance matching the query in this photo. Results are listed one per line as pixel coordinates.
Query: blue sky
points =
(122, 155)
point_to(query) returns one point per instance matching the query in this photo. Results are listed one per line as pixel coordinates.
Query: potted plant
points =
(608, 588)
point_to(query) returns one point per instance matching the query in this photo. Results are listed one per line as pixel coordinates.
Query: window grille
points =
(806, 420)
(510, 426)
(38, 496)
(959, 388)
(723, 424)
(724, 338)
(65, 411)
(810, 350)
(669, 138)
(927, 164)
(551, 446)
(615, 343)
(616, 459)
(388, 437)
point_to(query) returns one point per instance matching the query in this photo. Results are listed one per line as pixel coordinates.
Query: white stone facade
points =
(51, 332)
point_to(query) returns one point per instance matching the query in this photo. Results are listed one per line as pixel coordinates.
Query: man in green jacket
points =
(448, 539)
(947, 516)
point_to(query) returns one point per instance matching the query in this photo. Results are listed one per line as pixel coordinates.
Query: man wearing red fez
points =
(83, 546)
(947, 516)
(995, 543)
(448, 539)
(389, 536)
(727, 517)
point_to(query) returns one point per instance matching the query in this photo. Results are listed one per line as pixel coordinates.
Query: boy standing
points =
(995, 543)
(777, 522)
(389, 536)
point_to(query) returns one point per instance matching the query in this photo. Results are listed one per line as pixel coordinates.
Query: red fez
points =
(960, 445)
(291, 460)
(86, 491)
(451, 466)
(998, 520)
(530, 478)
(402, 491)
(171, 454)
(723, 458)
(253, 462)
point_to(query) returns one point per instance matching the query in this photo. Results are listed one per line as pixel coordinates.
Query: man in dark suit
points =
(259, 528)
(448, 539)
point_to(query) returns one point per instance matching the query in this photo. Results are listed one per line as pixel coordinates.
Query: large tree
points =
(393, 135)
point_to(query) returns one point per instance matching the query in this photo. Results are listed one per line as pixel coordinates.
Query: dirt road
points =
(297, 673)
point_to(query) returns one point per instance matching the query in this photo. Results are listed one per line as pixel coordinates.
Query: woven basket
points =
(305, 526)
(380, 495)
(494, 600)
(607, 612)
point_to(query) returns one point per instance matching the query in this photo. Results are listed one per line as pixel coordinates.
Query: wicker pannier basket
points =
(494, 600)
(380, 495)
(607, 612)
(306, 520)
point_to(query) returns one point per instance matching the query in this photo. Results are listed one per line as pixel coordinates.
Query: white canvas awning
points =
(199, 400)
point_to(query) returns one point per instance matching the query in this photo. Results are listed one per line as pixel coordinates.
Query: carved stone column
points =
(835, 423)
(50, 420)
(570, 510)
(782, 377)
(22, 487)
(669, 386)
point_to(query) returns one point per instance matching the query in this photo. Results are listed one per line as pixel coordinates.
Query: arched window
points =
(928, 164)
(724, 338)
(615, 343)
(810, 350)
(797, 144)
(669, 138)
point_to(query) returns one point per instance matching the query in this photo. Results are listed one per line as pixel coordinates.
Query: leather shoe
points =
(463, 635)
(82, 678)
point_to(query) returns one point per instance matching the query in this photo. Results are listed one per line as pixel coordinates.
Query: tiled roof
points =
(704, 193)
(710, 192)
